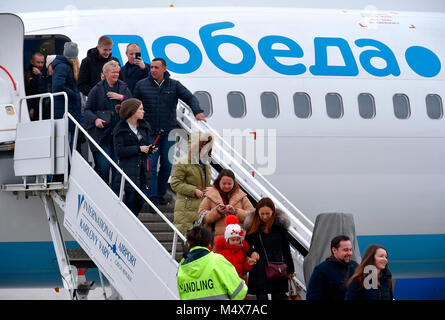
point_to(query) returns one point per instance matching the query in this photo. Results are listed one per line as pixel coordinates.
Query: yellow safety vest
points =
(210, 277)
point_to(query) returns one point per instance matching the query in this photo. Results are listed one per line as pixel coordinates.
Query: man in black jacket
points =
(37, 81)
(135, 69)
(328, 280)
(159, 95)
(91, 66)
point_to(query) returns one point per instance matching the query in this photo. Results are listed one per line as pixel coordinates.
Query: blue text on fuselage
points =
(421, 60)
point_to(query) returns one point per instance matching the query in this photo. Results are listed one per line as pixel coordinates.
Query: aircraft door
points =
(11, 76)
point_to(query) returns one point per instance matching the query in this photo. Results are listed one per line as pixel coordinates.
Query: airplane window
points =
(205, 102)
(269, 105)
(302, 105)
(401, 106)
(334, 105)
(237, 104)
(366, 105)
(434, 106)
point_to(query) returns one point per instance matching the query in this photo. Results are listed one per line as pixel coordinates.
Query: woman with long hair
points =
(267, 236)
(372, 279)
(223, 199)
(64, 78)
(191, 179)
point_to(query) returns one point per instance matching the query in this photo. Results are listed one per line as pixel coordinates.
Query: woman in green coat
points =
(190, 180)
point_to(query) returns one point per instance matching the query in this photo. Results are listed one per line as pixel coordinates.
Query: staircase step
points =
(149, 217)
(154, 227)
(163, 236)
(79, 258)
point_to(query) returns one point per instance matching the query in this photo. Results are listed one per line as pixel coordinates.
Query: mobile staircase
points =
(136, 263)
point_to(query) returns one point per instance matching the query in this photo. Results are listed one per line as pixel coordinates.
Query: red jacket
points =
(234, 254)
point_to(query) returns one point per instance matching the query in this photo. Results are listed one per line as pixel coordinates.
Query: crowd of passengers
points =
(129, 112)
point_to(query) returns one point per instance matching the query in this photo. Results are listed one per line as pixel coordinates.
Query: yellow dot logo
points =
(10, 110)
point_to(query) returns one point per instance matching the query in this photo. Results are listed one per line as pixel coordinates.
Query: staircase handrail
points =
(278, 197)
(124, 179)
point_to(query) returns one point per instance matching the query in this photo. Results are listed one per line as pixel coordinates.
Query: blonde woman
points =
(101, 116)
(65, 71)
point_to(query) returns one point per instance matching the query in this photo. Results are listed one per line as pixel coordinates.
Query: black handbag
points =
(107, 116)
(274, 269)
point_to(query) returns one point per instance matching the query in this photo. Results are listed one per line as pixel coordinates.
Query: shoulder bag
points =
(274, 270)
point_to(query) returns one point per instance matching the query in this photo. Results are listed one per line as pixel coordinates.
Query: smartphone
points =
(153, 145)
(137, 55)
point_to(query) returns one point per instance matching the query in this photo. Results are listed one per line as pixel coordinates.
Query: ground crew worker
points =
(205, 275)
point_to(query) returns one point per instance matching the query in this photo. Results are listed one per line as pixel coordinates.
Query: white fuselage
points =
(387, 172)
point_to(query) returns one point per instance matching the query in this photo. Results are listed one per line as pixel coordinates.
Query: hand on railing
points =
(201, 116)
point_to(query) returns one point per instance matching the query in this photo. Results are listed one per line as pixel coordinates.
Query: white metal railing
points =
(257, 186)
(125, 178)
(51, 96)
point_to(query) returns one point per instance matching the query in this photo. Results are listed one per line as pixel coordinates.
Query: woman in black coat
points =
(267, 225)
(132, 149)
(101, 116)
(372, 279)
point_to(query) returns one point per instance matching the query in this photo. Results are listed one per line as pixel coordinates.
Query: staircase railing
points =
(125, 178)
(256, 185)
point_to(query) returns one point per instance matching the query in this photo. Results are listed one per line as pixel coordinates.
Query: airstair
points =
(138, 256)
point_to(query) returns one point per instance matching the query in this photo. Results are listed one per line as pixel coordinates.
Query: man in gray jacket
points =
(159, 95)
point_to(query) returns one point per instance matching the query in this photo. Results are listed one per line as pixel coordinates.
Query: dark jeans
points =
(159, 180)
(133, 200)
(102, 165)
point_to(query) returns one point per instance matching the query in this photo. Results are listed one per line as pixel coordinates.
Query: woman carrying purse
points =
(101, 116)
(267, 236)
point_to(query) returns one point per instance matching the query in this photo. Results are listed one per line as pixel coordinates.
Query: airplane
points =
(348, 104)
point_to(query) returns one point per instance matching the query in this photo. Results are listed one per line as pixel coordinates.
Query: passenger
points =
(267, 235)
(159, 93)
(234, 248)
(131, 145)
(135, 69)
(203, 274)
(363, 285)
(92, 65)
(48, 63)
(64, 78)
(37, 81)
(101, 116)
(223, 199)
(191, 179)
(328, 280)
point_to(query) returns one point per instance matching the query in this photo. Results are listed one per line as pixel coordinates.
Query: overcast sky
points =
(394, 5)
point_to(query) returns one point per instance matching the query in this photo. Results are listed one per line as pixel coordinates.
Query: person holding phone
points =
(135, 69)
(131, 136)
(223, 199)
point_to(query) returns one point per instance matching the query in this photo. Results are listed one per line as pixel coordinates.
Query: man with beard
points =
(328, 280)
